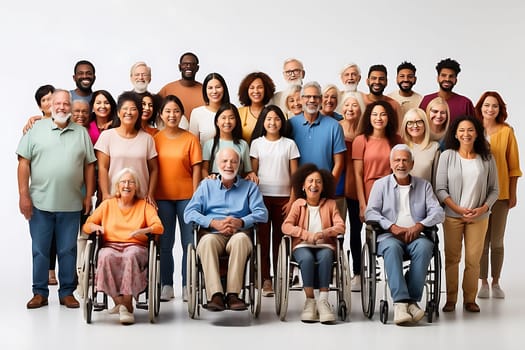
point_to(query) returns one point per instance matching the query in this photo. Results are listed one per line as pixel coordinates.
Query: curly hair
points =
(300, 175)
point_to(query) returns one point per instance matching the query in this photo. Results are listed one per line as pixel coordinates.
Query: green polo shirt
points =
(57, 157)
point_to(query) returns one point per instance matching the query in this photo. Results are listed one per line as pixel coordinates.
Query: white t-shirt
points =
(404, 217)
(470, 169)
(274, 164)
(201, 124)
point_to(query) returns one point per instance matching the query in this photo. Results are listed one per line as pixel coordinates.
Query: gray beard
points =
(60, 118)
(140, 87)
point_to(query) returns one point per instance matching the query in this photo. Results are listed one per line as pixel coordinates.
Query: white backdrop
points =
(41, 41)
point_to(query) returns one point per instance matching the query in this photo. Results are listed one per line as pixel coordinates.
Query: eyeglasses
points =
(308, 97)
(412, 123)
(127, 182)
(293, 72)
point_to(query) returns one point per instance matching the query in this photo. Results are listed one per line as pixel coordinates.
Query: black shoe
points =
(216, 303)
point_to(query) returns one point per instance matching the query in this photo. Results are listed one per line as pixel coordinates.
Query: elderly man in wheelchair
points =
(225, 208)
(403, 206)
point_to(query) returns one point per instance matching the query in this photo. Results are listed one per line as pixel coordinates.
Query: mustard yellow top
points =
(504, 147)
(248, 121)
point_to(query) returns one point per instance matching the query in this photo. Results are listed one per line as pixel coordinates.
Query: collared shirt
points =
(383, 203)
(58, 158)
(212, 200)
(317, 141)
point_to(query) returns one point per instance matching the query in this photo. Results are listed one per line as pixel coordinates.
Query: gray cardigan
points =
(449, 180)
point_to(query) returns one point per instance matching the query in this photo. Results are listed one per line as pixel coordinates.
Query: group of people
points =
(298, 162)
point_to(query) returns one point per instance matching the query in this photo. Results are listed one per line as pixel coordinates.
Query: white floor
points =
(498, 326)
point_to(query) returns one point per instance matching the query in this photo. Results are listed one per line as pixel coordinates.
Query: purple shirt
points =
(457, 104)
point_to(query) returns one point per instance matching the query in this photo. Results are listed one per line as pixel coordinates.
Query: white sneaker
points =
(355, 283)
(484, 291)
(114, 310)
(166, 293)
(309, 313)
(185, 294)
(126, 317)
(415, 311)
(497, 292)
(326, 315)
(401, 315)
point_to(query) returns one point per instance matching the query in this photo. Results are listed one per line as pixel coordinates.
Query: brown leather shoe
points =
(36, 301)
(472, 307)
(235, 303)
(449, 306)
(70, 302)
(216, 303)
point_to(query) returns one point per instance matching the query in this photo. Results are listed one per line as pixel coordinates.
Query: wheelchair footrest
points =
(142, 305)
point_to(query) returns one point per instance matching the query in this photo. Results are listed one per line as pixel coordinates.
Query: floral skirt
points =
(122, 269)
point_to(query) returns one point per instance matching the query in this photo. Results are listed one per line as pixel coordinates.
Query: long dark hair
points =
(236, 132)
(391, 126)
(259, 129)
(113, 117)
(225, 95)
(481, 146)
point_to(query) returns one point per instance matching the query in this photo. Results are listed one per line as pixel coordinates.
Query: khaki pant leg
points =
(453, 228)
(239, 248)
(474, 239)
(209, 248)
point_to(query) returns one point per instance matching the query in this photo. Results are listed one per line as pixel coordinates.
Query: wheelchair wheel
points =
(383, 311)
(86, 276)
(191, 273)
(153, 282)
(368, 281)
(283, 284)
(434, 288)
(256, 292)
(345, 289)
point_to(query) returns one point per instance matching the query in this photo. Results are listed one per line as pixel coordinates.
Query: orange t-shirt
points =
(119, 223)
(176, 157)
(190, 97)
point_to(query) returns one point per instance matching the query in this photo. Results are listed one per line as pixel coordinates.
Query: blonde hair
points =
(438, 101)
(407, 137)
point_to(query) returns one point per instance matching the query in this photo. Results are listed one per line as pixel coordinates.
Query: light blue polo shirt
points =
(319, 141)
(57, 157)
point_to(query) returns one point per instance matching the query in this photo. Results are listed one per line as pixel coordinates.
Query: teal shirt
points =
(58, 157)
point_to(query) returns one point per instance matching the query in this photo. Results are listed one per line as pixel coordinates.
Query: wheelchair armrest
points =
(431, 233)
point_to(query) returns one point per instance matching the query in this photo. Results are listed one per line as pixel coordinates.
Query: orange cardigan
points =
(296, 223)
(118, 223)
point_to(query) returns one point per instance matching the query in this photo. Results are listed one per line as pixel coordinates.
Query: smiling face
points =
(351, 109)
(415, 126)
(226, 122)
(127, 186)
(379, 118)
(447, 79)
(228, 163)
(45, 104)
(401, 164)
(128, 113)
(171, 115)
(80, 112)
(256, 91)
(84, 77)
(313, 187)
(293, 72)
(466, 133)
(438, 115)
(294, 104)
(147, 107)
(377, 82)
(140, 78)
(101, 106)
(351, 78)
(311, 100)
(329, 102)
(272, 123)
(490, 108)
(215, 91)
(406, 79)
(188, 67)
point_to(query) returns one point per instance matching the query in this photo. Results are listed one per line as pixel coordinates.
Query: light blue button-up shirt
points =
(212, 200)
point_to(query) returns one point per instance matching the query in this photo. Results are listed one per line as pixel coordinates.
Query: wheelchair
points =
(251, 290)
(93, 300)
(373, 272)
(287, 279)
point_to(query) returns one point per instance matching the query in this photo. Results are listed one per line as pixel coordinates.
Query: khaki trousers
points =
(473, 233)
(494, 240)
(210, 247)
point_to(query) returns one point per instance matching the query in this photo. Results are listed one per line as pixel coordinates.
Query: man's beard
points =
(377, 93)
(60, 118)
(140, 87)
(86, 89)
(446, 89)
(408, 89)
(350, 87)
(227, 176)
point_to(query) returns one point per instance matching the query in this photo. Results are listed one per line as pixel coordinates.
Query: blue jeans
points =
(65, 226)
(410, 286)
(312, 260)
(169, 211)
